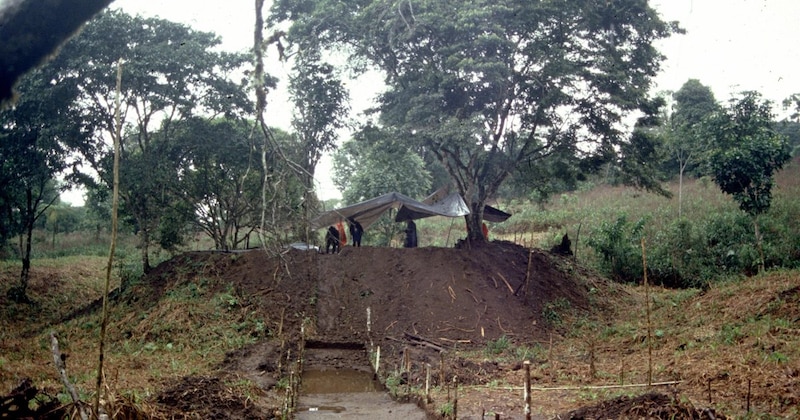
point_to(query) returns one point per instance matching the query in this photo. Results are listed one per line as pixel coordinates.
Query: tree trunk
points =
(474, 223)
(20, 295)
(26, 265)
(680, 189)
(55, 231)
(144, 242)
(759, 244)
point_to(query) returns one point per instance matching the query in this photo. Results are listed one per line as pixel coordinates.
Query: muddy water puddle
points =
(338, 383)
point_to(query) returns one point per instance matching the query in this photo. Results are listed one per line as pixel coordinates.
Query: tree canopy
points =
(170, 73)
(747, 151)
(38, 141)
(489, 85)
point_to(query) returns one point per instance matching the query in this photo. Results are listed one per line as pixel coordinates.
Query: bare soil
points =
(469, 317)
(443, 307)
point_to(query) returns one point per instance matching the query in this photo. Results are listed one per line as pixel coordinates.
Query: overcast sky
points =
(730, 45)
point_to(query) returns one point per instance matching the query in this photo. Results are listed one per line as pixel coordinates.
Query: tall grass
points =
(709, 239)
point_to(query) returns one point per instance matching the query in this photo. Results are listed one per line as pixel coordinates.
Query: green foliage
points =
(619, 244)
(497, 347)
(487, 87)
(360, 171)
(747, 152)
(446, 409)
(731, 334)
(170, 72)
(553, 311)
(320, 101)
(219, 188)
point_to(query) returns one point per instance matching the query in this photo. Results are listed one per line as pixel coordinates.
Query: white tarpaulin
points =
(367, 212)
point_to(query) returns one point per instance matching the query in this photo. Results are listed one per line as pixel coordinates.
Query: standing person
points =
(411, 235)
(332, 240)
(355, 232)
(342, 234)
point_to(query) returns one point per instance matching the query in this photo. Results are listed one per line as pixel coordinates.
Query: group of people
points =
(336, 236)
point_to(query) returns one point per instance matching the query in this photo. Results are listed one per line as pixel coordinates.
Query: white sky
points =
(730, 45)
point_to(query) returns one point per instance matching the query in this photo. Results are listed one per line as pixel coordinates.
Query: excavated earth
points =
(422, 307)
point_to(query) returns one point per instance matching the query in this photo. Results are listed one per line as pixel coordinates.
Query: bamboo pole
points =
(427, 383)
(528, 272)
(527, 394)
(455, 397)
(377, 360)
(113, 246)
(647, 309)
(441, 368)
(577, 388)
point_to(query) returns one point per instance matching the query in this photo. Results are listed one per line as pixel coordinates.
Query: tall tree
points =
(220, 178)
(321, 106)
(791, 126)
(747, 152)
(320, 101)
(489, 85)
(375, 162)
(170, 73)
(37, 141)
(694, 102)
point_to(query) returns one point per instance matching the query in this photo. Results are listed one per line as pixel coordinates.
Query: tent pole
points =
(452, 220)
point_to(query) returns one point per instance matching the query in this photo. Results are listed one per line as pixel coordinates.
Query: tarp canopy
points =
(491, 214)
(451, 205)
(367, 212)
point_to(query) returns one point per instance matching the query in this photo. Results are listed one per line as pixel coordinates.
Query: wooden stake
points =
(528, 273)
(649, 326)
(455, 397)
(748, 395)
(407, 369)
(427, 383)
(592, 370)
(527, 394)
(441, 368)
(280, 326)
(369, 320)
(377, 360)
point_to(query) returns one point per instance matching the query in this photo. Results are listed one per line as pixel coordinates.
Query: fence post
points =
(527, 365)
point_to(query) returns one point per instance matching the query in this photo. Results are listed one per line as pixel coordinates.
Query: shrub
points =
(619, 243)
(678, 258)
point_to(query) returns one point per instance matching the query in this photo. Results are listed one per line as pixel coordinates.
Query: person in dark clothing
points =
(332, 240)
(356, 231)
(411, 235)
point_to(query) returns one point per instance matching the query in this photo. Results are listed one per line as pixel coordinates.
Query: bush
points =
(678, 258)
(619, 244)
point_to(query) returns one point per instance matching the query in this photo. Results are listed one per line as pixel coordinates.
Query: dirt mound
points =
(448, 296)
(421, 300)
(648, 406)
